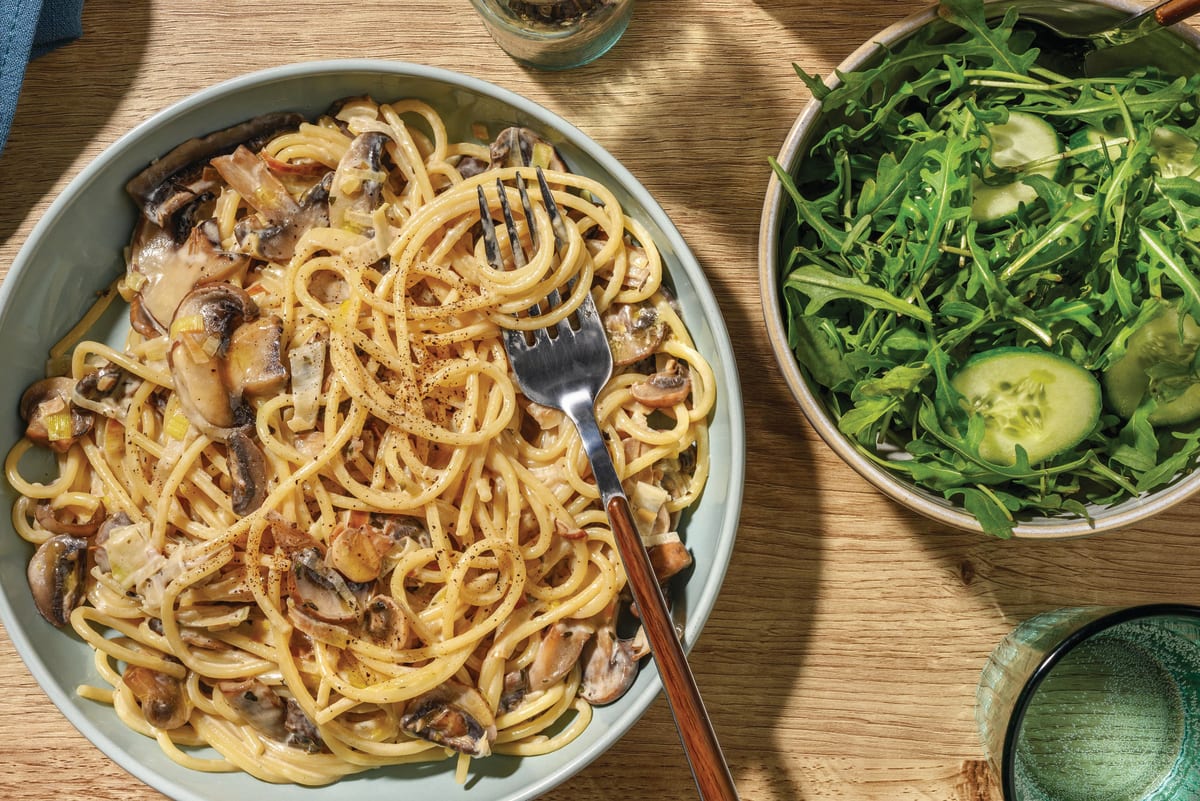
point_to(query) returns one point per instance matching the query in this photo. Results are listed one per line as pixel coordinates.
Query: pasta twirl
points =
(304, 516)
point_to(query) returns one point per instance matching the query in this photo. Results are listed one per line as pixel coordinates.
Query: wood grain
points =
(841, 659)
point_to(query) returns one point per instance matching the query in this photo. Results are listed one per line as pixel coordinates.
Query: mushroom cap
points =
(517, 147)
(157, 188)
(453, 715)
(201, 331)
(164, 702)
(321, 591)
(634, 331)
(609, 667)
(248, 470)
(168, 270)
(558, 652)
(50, 417)
(665, 387)
(56, 576)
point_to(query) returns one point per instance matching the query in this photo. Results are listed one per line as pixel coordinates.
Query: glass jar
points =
(555, 34)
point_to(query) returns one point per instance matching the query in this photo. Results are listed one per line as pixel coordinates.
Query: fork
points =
(565, 368)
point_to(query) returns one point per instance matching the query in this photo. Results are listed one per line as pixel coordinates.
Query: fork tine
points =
(588, 307)
(514, 239)
(527, 207)
(556, 221)
(491, 246)
(553, 299)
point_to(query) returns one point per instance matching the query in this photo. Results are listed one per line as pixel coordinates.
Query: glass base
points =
(536, 36)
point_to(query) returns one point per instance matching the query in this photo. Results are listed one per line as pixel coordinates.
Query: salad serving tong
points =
(565, 369)
(1070, 24)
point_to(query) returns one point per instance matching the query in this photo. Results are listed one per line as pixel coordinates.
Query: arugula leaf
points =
(821, 287)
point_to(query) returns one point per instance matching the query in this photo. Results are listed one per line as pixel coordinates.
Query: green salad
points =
(993, 271)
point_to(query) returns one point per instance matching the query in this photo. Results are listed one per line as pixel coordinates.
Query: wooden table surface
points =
(841, 658)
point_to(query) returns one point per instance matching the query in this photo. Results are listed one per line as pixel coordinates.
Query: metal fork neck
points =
(579, 407)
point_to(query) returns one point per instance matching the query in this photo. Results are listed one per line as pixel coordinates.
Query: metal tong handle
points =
(1173, 11)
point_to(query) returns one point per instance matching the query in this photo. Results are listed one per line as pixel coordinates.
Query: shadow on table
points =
(718, 121)
(836, 30)
(67, 97)
(1020, 578)
(1009, 581)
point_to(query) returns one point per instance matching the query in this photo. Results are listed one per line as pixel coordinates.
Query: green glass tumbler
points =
(555, 34)
(1096, 704)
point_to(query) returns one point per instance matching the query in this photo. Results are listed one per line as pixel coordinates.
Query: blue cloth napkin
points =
(28, 29)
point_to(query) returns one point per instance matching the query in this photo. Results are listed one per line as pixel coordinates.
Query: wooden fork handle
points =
(1174, 11)
(704, 754)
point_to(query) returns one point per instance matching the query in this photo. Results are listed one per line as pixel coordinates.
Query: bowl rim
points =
(931, 506)
(727, 499)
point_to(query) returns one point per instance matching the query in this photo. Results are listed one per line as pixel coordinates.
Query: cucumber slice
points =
(1095, 146)
(1042, 402)
(1024, 139)
(1174, 153)
(1158, 362)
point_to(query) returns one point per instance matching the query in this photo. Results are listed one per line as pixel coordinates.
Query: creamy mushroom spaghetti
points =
(304, 516)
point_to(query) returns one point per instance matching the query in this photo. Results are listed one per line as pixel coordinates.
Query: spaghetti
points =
(304, 516)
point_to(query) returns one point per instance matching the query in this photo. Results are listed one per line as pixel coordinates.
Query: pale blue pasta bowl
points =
(76, 250)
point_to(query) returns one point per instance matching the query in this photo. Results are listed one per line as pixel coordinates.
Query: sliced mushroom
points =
(669, 558)
(281, 719)
(254, 363)
(665, 387)
(357, 188)
(384, 623)
(558, 653)
(634, 331)
(515, 688)
(163, 700)
(360, 553)
(190, 634)
(201, 331)
(259, 706)
(609, 667)
(106, 391)
(248, 470)
(301, 731)
(50, 417)
(111, 523)
(332, 634)
(47, 517)
(402, 528)
(167, 270)
(321, 591)
(277, 241)
(179, 204)
(469, 166)
(286, 218)
(521, 147)
(164, 187)
(637, 271)
(453, 715)
(56, 577)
